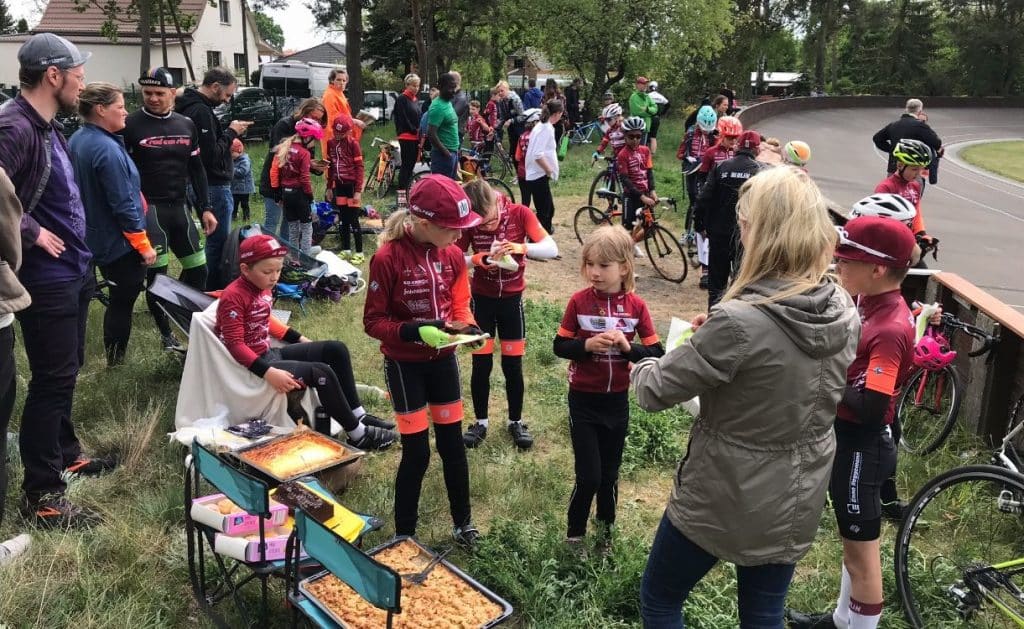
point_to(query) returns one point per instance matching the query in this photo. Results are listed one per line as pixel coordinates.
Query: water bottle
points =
(322, 421)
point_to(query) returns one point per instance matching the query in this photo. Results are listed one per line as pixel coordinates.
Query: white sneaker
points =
(638, 252)
(312, 251)
(14, 547)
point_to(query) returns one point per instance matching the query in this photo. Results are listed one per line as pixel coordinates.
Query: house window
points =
(178, 74)
(212, 58)
(241, 64)
(225, 12)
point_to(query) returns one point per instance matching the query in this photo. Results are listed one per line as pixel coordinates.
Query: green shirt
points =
(641, 104)
(442, 115)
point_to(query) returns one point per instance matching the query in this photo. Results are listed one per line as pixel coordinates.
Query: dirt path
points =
(556, 280)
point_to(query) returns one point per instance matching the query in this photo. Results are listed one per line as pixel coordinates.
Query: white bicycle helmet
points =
(885, 205)
(611, 111)
(531, 115)
(652, 86)
(634, 123)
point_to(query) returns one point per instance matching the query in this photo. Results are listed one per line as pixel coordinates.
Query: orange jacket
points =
(335, 102)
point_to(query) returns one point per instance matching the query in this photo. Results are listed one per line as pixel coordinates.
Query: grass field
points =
(131, 571)
(1003, 158)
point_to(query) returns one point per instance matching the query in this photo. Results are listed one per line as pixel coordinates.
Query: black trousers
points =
(327, 367)
(127, 278)
(543, 202)
(598, 423)
(53, 330)
(241, 200)
(408, 149)
(415, 386)
(723, 250)
(8, 391)
(501, 317)
(350, 229)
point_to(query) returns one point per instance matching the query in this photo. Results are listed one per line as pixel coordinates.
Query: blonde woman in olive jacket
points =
(769, 364)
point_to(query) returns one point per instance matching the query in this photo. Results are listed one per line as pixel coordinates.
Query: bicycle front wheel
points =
(588, 218)
(666, 254)
(502, 187)
(927, 408)
(602, 180)
(499, 166)
(384, 184)
(958, 550)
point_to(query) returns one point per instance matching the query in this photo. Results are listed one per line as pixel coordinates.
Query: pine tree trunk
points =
(353, 52)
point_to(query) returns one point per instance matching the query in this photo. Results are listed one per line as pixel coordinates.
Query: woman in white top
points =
(542, 163)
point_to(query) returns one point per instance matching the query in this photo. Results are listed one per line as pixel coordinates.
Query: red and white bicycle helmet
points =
(309, 128)
(931, 354)
(730, 126)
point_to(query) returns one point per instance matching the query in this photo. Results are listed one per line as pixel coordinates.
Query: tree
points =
(7, 25)
(269, 30)
(22, 26)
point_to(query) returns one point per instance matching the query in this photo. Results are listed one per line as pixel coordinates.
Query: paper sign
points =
(679, 332)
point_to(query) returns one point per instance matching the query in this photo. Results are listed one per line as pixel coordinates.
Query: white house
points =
(216, 38)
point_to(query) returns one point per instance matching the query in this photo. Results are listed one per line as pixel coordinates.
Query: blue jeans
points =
(676, 565)
(444, 165)
(223, 206)
(272, 222)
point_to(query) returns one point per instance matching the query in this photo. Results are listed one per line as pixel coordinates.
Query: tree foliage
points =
(7, 24)
(270, 31)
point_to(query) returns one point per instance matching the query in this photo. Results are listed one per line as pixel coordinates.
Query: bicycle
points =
(497, 161)
(382, 175)
(663, 250)
(607, 179)
(471, 167)
(930, 400)
(946, 575)
(581, 133)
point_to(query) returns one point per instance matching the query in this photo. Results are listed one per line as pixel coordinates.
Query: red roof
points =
(62, 18)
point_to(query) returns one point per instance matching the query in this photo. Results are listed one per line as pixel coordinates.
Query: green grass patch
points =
(1002, 158)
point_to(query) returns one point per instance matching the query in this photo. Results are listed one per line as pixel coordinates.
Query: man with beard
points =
(165, 147)
(56, 270)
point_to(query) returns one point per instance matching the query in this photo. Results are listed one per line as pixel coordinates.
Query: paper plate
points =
(462, 339)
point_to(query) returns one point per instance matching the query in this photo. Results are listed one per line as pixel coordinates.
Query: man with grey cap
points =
(57, 272)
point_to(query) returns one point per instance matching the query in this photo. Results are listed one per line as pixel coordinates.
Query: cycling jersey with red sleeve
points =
(714, 155)
(347, 164)
(633, 167)
(516, 223)
(885, 352)
(590, 313)
(521, 146)
(695, 143)
(245, 326)
(413, 281)
(909, 190)
(295, 172)
(614, 136)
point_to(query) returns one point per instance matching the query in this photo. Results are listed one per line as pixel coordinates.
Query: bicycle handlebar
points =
(988, 341)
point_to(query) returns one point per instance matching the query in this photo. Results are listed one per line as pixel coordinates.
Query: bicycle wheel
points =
(501, 187)
(666, 254)
(927, 408)
(955, 550)
(498, 165)
(602, 180)
(588, 218)
(416, 177)
(384, 184)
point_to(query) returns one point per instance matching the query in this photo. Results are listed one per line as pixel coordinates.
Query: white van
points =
(296, 78)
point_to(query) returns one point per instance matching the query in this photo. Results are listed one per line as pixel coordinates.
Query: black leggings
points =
(241, 200)
(503, 315)
(598, 423)
(632, 205)
(723, 251)
(543, 203)
(408, 150)
(295, 205)
(169, 226)
(327, 367)
(127, 278)
(350, 229)
(524, 192)
(415, 386)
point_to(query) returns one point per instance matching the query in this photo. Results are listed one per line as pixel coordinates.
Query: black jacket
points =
(283, 128)
(908, 127)
(214, 140)
(715, 211)
(406, 115)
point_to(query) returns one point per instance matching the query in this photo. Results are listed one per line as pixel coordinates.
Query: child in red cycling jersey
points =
(614, 135)
(506, 229)
(596, 334)
(530, 119)
(635, 167)
(245, 326)
(417, 296)
(478, 128)
(345, 185)
(873, 256)
(912, 157)
(289, 178)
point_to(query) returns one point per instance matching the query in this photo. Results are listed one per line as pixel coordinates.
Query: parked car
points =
(258, 105)
(380, 103)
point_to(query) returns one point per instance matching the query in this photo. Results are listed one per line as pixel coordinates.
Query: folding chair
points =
(178, 300)
(378, 584)
(250, 494)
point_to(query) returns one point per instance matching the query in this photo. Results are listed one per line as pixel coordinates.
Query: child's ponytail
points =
(394, 227)
(281, 150)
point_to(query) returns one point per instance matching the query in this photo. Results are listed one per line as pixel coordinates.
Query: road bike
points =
(582, 133)
(382, 176)
(496, 159)
(471, 167)
(930, 400)
(607, 179)
(662, 247)
(959, 556)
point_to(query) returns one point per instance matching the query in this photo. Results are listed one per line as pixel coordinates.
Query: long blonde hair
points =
(281, 150)
(788, 234)
(610, 243)
(394, 226)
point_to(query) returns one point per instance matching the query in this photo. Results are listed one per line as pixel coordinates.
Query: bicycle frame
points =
(939, 390)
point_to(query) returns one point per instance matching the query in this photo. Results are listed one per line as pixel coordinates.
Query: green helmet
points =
(912, 153)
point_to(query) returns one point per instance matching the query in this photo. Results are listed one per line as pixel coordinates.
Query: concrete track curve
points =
(978, 218)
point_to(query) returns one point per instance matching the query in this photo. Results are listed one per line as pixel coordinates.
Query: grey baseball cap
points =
(43, 50)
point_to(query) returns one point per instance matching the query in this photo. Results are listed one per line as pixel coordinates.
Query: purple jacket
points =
(35, 156)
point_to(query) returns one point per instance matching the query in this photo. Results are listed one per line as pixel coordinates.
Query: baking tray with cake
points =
(298, 454)
(447, 593)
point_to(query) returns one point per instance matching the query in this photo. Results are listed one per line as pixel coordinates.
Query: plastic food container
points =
(206, 511)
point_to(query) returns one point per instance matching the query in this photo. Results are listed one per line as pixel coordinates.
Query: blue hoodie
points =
(532, 98)
(111, 192)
